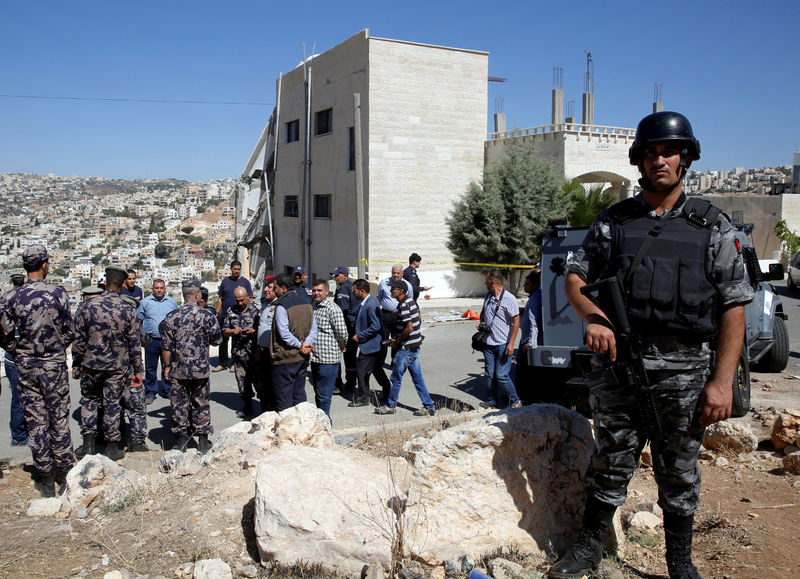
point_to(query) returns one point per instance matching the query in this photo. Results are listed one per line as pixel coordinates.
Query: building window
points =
(323, 122)
(293, 131)
(351, 149)
(322, 206)
(290, 206)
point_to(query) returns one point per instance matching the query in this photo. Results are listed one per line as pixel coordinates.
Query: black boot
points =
(114, 450)
(585, 555)
(203, 443)
(181, 442)
(45, 483)
(678, 539)
(247, 410)
(87, 447)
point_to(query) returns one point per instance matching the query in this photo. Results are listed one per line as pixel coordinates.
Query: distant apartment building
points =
(423, 127)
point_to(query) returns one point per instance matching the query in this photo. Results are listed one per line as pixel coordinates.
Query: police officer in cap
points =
(684, 293)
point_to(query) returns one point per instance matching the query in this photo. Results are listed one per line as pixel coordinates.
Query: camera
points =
(386, 343)
(484, 329)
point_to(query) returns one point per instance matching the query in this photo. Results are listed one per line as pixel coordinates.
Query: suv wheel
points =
(741, 386)
(790, 282)
(778, 356)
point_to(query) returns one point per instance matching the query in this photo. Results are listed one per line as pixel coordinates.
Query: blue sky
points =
(730, 67)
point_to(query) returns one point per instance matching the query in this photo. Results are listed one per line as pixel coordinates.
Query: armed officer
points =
(682, 282)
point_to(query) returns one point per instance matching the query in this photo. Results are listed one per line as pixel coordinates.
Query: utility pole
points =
(360, 222)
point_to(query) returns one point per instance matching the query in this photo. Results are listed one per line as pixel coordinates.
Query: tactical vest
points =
(668, 289)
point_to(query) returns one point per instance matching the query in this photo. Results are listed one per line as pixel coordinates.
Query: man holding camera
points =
(499, 322)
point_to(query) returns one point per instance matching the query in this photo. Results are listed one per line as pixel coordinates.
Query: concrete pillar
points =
(557, 110)
(499, 122)
(588, 108)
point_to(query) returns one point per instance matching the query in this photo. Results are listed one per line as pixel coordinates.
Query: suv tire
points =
(741, 386)
(790, 282)
(778, 356)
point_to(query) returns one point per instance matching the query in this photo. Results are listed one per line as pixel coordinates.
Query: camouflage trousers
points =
(191, 411)
(102, 389)
(44, 396)
(244, 370)
(620, 435)
(134, 405)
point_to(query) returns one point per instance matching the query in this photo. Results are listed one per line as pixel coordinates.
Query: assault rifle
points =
(628, 368)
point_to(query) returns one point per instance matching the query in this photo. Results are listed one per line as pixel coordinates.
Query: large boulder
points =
(97, 479)
(329, 506)
(730, 437)
(247, 442)
(786, 430)
(508, 479)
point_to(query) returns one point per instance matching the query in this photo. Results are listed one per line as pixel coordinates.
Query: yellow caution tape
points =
(498, 265)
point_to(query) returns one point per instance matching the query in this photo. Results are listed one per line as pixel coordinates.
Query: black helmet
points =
(664, 126)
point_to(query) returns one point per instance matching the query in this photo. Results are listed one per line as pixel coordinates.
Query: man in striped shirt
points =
(331, 340)
(406, 346)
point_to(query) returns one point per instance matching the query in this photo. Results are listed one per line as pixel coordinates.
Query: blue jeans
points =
(408, 360)
(323, 378)
(498, 368)
(152, 357)
(19, 434)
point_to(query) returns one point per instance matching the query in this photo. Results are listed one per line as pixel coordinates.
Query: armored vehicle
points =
(559, 362)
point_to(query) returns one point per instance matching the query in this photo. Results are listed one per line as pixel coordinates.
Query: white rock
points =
(95, 477)
(732, 437)
(247, 442)
(504, 479)
(212, 569)
(791, 462)
(326, 506)
(721, 462)
(303, 425)
(644, 521)
(786, 429)
(648, 504)
(44, 507)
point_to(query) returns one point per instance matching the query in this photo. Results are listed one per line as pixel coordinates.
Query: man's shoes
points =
(149, 398)
(585, 555)
(203, 443)
(246, 411)
(424, 412)
(181, 442)
(114, 450)
(517, 404)
(87, 447)
(218, 368)
(45, 483)
(357, 402)
(385, 410)
(19, 442)
(488, 404)
(232, 369)
(138, 447)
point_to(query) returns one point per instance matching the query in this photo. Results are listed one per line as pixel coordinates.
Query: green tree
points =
(188, 229)
(503, 219)
(85, 282)
(161, 251)
(59, 271)
(587, 206)
(790, 238)
(196, 239)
